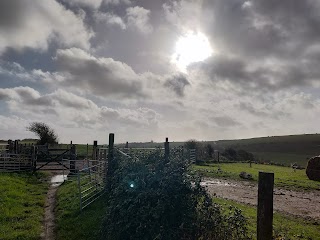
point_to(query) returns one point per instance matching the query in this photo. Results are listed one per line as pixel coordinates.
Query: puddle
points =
(57, 180)
(216, 182)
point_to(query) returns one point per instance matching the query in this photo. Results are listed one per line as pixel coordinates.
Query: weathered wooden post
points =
(72, 159)
(16, 146)
(10, 147)
(126, 148)
(265, 206)
(94, 150)
(166, 151)
(33, 158)
(111, 161)
(87, 150)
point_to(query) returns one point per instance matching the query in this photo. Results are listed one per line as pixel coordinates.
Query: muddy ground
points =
(303, 204)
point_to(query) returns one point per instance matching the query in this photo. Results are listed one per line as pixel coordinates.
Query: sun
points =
(192, 47)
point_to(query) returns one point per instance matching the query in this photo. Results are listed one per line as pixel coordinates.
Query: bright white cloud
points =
(34, 24)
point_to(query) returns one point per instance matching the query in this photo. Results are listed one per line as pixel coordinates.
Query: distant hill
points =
(279, 149)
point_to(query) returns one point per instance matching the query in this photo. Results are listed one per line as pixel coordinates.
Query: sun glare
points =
(191, 48)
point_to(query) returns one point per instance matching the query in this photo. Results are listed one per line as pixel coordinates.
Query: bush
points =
(45, 133)
(153, 200)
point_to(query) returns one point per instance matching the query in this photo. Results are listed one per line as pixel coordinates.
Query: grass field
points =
(22, 199)
(286, 226)
(284, 176)
(72, 224)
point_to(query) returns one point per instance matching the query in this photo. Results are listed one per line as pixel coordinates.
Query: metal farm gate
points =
(91, 181)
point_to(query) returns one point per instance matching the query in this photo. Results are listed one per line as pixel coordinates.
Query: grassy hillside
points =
(278, 149)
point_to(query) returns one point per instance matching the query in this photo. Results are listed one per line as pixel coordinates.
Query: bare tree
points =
(45, 133)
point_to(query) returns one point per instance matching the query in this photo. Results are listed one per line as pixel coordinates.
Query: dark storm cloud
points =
(177, 83)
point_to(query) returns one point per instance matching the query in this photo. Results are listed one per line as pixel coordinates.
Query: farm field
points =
(285, 177)
(22, 199)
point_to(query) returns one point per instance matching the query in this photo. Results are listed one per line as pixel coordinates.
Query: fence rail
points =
(15, 163)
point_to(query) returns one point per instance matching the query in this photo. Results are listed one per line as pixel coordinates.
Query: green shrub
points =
(151, 199)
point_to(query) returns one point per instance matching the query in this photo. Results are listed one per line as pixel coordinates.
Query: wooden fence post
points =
(16, 146)
(73, 158)
(166, 151)
(265, 206)
(33, 158)
(94, 150)
(111, 160)
(126, 148)
(87, 151)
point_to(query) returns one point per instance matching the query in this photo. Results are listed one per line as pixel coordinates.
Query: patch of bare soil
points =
(49, 219)
(302, 204)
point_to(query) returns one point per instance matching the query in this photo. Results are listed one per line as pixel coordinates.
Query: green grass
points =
(283, 158)
(22, 199)
(284, 176)
(286, 226)
(70, 222)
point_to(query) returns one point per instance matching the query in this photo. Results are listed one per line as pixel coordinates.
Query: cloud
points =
(101, 76)
(94, 4)
(270, 74)
(225, 121)
(110, 19)
(257, 45)
(71, 108)
(34, 24)
(177, 83)
(116, 2)
(138, 18)
(135, 18)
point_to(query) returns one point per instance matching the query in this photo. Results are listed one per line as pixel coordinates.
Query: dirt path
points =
(302, 204)
(49, 219)
(56, 178)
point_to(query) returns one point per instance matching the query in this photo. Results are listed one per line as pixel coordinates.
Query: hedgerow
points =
(155, 199)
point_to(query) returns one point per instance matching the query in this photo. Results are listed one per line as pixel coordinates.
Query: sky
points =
(150, 69)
